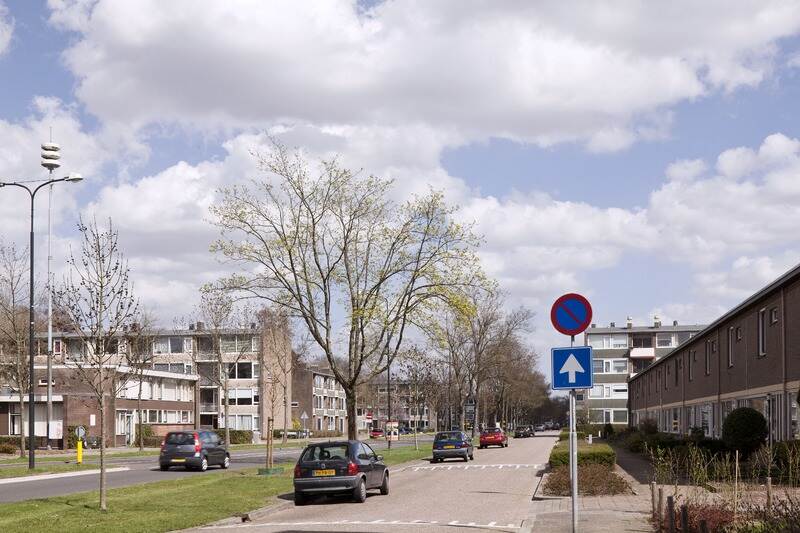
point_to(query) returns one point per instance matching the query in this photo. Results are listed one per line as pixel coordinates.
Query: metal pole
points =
(388, 400)
(573, 453)
(31, 403)
(49, 313)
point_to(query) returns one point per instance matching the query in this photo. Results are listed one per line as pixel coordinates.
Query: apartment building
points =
(748, 357)
(408, 408)
(317, 394)
(620, 352)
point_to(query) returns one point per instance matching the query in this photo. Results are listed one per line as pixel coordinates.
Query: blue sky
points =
(557, 135)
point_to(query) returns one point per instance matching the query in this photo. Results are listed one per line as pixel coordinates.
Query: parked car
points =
(522, 432)
(193, 449)
(376, 433)
(539, 427)
(447, 444)
(493, 437)
(405, 430)
(339, 467)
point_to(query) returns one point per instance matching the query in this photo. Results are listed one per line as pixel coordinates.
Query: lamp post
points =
(72, 178)
(50, 161)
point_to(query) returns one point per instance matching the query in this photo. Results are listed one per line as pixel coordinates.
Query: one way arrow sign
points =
(572, 368)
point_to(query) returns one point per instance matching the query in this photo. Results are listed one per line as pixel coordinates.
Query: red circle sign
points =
(571, 314)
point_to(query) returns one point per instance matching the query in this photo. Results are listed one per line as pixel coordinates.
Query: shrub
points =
(238, 436)
(564, 435)
(745, 429)
(634, 442)
(588, 454)
(593, 480)
(152, 441)
(8, 448)
(146, 430)
(648, 426)
(608, 431)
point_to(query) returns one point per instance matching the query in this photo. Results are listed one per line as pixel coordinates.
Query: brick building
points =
(317, 394)
(750, 356)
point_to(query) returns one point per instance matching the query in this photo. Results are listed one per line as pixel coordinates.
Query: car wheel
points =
(480, 446)
(466, 458)
(385, 485)
(360, 492)
(300, 498)
(226, 462)
(164, 468)
(203, 465)
(471, 457)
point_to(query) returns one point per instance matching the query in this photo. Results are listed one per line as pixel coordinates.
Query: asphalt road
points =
(492, 493)
(141, 470)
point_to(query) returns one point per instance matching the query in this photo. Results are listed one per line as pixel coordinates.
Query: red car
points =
(376, 433)
(493, 437)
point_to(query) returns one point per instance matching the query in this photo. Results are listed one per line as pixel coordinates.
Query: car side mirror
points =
(379, 458)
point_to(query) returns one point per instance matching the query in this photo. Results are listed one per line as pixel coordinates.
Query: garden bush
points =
(152, 441)
(745, 429)
(593, 480)
(587, 454)
(608, 431)
(564, 435)
(238, 436)
(11, 441)
(8, 448)
(648, 426)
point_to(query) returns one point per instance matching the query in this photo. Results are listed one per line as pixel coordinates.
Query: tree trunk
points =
(286, 407)
(103, 505)
(139, 416)
(21, 423)
(352, 429)
(225, 413)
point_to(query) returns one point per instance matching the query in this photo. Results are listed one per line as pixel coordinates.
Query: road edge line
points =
(23, 479)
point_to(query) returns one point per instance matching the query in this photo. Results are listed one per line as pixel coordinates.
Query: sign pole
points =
(573, 452)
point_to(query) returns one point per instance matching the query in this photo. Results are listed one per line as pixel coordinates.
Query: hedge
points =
(587, 454)
(564, 435)
(238, 436)
(7, 448)
(10, 441)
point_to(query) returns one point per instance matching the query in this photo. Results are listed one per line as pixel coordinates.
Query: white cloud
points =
(685, 169)
(544, 74)
(745, 275)
(6, 29)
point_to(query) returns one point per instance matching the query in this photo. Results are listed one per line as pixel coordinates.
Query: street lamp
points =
(72, 178)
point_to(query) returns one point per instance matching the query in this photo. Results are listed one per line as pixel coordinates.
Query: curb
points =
(23, 479)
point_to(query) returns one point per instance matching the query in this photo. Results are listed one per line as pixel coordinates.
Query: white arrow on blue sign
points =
(572, 368)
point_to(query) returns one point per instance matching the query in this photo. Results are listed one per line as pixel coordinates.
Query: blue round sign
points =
(571, 314)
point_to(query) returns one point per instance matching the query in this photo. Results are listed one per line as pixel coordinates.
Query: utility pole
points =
(50, 157)
(388, 400)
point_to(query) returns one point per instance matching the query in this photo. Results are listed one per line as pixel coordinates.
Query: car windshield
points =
(180, 438)
(450, 435)
(325, 452)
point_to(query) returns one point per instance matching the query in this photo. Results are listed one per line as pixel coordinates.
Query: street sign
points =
(304, 416)
(80, 432)
(572, 368)
(571, 314)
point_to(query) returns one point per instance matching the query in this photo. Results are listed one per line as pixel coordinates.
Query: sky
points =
(643, 154)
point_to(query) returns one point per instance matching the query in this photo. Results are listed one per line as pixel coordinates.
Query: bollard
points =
(684, 518)
(671, 513)
(79, 459)
(653, 500)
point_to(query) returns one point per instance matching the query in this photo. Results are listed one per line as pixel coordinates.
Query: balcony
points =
(643, 353)
(208, 408)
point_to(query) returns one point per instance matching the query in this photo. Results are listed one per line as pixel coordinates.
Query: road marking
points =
(381, 522)
(57, 476)
(482, 467)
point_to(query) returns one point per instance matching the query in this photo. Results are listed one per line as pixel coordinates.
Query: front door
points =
(130, 429)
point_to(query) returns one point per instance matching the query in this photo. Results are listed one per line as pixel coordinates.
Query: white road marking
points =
(26, 479)
(482, 467)
(490, 525)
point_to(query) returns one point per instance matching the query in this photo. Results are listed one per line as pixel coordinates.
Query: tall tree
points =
(277, 361)
(139, 337)
(336, 252)
(98, 303)
(14, 324)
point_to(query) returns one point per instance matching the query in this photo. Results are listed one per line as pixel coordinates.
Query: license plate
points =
(449, 447)
(179, 460)
(320, 473)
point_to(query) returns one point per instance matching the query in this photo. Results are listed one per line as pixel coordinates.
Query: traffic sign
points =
(572, 368)
(571, 314)
(80, 432)
(304, 416)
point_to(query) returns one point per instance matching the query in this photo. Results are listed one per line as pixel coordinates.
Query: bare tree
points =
(335, 241)
(416, 368)
(220, 317)
(98, 303)
(139, 337)
(276, 360)
(14, 326)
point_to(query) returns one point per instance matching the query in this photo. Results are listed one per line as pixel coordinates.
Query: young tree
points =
(416, 368)
(98, 303)
(14, 326)
(276, 360)
(335, 244)
(139, 337)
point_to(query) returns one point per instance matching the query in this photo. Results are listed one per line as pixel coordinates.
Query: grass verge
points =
(593, 480)
(22, 471)
(404, 454)
(160, 506)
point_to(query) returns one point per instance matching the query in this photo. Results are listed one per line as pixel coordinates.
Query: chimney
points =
(191, 327)
(252, 325)
(593, 325)
(613, 325)
(200, 326)
(656, 322)
(674, 322)
(629, 322)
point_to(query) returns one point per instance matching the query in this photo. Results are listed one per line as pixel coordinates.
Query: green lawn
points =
(402, 454)
(161, 506)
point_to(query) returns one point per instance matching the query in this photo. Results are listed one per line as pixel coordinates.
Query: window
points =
(256, 397)
(161, 345)
(244, 397)
(75, 349)
(773, 315)
(738, 334)
(708, 358)
(692, 360)
(620, 366)
(256, 370)
(642, 341)
(596, 392)
(597, 366)
(245, 422)
(57, 347)
(683, 336)
(762, 333)
(730, 346)
(619, 390)
(676, 370)
(228, 344)
(175, 345)
(205, 345)
(244, 370)
(620, 416)
(664, 340)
